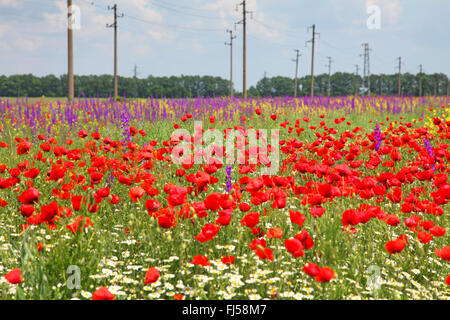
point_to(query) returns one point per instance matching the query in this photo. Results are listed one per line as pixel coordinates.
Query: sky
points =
(187, 37)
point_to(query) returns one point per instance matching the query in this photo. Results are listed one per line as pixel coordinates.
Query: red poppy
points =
(297, 217)
(227, 259)
(325, 274)
(29, 196)
(311, 269)
(200, 260)
(444, 253)
(424, 237)
(274, 233)
(395, 246)
(136, 193)
(14, 276)
(102, 294)
(250, 220)
(295, 247)
(49, 211)
(151, 276)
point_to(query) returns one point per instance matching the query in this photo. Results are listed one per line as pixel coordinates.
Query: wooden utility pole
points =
(313, 40)
(296, 72)
(399, 76)
(70, 81)
(356, 80)
(244, 24)
(114, 25)
(136, 92)
(329, 75)
(420, 80)
(231, 60)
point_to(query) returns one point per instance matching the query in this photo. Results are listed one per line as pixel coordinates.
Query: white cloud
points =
(10, 3)
(261, 26)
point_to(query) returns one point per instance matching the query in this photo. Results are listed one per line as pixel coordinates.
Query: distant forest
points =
(204, 86)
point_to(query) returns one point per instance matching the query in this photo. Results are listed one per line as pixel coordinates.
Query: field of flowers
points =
(92, 206)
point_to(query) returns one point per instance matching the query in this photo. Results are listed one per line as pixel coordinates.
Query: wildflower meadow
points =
(93, 204)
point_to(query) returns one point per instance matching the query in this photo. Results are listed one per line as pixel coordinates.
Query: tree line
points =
(208, 86)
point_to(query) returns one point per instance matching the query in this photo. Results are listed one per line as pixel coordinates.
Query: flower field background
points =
(92, 206)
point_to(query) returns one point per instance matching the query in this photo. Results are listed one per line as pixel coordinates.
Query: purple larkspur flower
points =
(430, 150)
(229, 182)
(377, 138)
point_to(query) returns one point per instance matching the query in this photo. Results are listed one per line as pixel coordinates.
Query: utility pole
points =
(70, 81)
(244, 24)
(313, 40)
(136, 93)
(399, 76)
(329, 75)
(296, 72)
(356, 80)
(114, 25)
(366, 68)
(420, 80)
(231, 60)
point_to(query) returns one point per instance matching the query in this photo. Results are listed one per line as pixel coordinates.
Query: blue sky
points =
(174, 37)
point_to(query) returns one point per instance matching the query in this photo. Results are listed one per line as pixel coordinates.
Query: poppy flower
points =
(311, 269)
(102, 293)
(305, 239)
(294, 247)
(395, 246)
(437, 231)
(29, 196)
(274, 233)
(227, 259)
(49, 211)
(424, 237)
(200, 260)
(14, 276)
(177, 196)
(151, 276)
(250, 220)
(325, 274)
(444, 253)
(27, 210)
(136, 193)
(297, 217)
